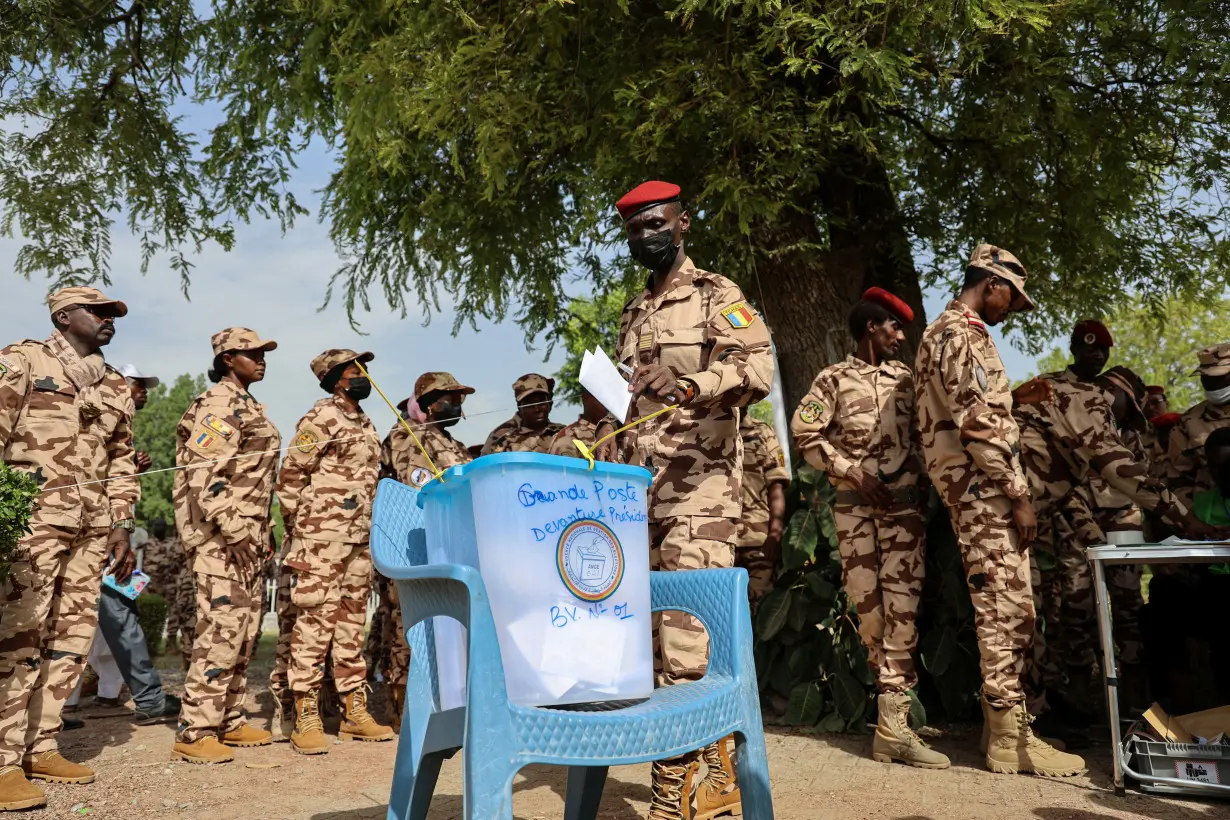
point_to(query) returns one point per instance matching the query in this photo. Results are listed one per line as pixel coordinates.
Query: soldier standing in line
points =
(858, 425)
(759, 546)
(1187, 468)
(227, 452)
(969, 441)
(438, 405)
(185, 607)
(326, 488)
(531, 429)
(584, 429)
(163, 557)
(65, 419)
(694, 341)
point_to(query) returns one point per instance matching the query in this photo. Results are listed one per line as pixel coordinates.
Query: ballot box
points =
(564, 554)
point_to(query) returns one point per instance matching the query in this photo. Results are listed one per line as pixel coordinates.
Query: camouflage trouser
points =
(1125, 526)
(882, 568)
(329, 609)
(395, 640)
(48, 615)
(760, 572)
(279, 680)
(375, 653)
(227, 629)
(997, 571)
(181, 614)
(681, 645)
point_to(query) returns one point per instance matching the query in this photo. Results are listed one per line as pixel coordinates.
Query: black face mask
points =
(447, 413)
(359, 389)
(655, 251)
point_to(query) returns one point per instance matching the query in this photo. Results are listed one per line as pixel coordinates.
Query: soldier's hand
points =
(609, 449)
(872, 488)
(772, 550)
(1034, 391)
(144, 462)
(1196, 530)
(655, 380)
(120, 556)
(1025, 520)
(239, 555)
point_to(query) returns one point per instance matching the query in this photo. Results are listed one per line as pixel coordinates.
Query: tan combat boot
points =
(718, 793)
(52, 767)
(18, 793)
(308, 738)
(246, 736)
(357, 722)
(1054, 742)
(1015, 749)
(204, 751)
(671, 784)
(895, 740)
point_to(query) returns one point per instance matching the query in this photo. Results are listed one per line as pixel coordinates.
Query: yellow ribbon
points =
(403, 421)
(588, 452)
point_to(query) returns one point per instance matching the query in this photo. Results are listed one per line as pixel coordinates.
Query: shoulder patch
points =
(739, 315)
(7, 367)
(810, 412)
(306, 440)
(218, 426)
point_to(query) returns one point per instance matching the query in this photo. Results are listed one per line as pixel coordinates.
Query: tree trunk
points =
(806, 295)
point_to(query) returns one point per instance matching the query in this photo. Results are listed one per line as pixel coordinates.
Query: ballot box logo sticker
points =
(590, 560)
(1197, 771)
(420, 476)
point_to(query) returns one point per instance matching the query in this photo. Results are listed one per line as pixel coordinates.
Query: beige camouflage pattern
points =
(969, 443)
(331, 358)
(764, 464)
(859, 416)
(401, 458)
(532, 383)
(1116, 513)
(64, 420)
(514, 437)
(161, 560)
(182, 611)
(1187, 470)
(227, 629)
(582, 429)
(328, 480)
(681, 645)
(68, 297)
(695, 452)
(239, 338)
(287, 612)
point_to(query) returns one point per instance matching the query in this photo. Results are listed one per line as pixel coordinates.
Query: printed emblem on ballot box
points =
(590, 560)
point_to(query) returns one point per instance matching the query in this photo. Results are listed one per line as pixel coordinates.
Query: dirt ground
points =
(813, 776)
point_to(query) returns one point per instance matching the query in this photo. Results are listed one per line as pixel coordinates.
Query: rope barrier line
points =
(588, 452)
(402, 419)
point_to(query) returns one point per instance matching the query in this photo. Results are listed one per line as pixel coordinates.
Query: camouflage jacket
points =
(328, 480)
(162, 557)
(969, 438)
(859, 415)
(67, 420)
(513, 437)
(582, 429)
(1064, 439)
(1115, 510)
(763, 464)
(1187, 471)
(401, 459)
(703, 330)
(227, 449)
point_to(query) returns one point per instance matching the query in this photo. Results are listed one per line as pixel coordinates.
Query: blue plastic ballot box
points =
(564, 554)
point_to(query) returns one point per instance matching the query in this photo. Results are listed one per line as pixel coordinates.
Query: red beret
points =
(892, 304)
(1091, 331)
(1155, 390)
(1165, 420)
(645, 196)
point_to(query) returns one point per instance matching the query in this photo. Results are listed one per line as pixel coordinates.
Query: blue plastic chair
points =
(499, 737)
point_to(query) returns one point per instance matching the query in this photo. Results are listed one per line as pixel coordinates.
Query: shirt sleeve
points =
(812, 420)
(1180, 466)
(212, 443)
(774, 466)
(123, 487)
(740, 370)
(14, 384)
(307, 449)
(979, 426)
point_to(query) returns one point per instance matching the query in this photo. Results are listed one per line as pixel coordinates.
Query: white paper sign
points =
(605, 383)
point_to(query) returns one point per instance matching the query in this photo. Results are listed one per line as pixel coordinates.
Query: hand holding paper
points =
(605, 383)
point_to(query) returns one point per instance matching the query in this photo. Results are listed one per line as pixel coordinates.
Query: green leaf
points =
(918, 714)
(833, 722)
(848, 694)
(772, 613)
(1047, 562)
(806, 704)
(938, 660)
(824, 591)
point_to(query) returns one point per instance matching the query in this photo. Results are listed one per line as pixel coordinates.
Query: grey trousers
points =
(117, 618)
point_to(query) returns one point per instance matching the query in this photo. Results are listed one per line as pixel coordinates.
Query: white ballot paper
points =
(605, 383)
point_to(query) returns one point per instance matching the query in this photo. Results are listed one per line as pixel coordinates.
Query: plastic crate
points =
(1192, 769)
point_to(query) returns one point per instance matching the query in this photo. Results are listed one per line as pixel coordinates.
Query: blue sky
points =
(275, 283)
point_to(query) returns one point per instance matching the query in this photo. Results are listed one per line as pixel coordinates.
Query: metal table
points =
(1099, 559)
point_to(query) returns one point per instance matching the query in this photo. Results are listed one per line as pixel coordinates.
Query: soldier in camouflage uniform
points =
(970, 442)
(584, 429)
(326, 488)
(184, 608)
(162, 560)
(694, 341)
(765, 480)
(858, 424)
(65, 418)
(1187, 470)
(531, 429)
(227, 451)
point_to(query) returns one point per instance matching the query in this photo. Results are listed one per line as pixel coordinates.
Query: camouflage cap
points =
(1003, 264)
(239, 338)
(532, 383)
(70, 297)
(1214, 361)
(330, 359)
(439, 382)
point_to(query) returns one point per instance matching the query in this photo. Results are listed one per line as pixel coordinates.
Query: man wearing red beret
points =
(695, 342)
(857, 423)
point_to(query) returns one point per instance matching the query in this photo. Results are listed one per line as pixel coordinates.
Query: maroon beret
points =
(1091, 331)
(1165, 420)
(645, 196)
(1155, 390)
(892, 304)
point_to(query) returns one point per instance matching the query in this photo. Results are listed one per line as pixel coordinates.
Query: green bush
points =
(152, 615)
(811, 665)
(18, 492)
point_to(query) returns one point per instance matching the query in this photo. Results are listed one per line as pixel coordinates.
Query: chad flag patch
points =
(205, 440)
(218, 426)
(739, 315)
